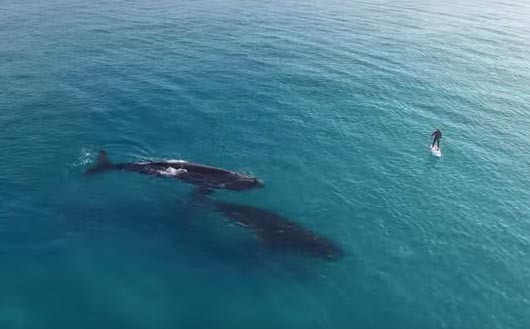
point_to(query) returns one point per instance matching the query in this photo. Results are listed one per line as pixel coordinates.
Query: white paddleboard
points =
(435, 150)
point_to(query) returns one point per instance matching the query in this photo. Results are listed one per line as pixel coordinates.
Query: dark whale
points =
(275, 231)
(206, 177)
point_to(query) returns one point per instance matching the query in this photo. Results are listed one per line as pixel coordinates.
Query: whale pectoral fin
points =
(203, 190)
(200, 195)
(267, 238)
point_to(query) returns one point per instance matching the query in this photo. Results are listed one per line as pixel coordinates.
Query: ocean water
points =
(331, 103)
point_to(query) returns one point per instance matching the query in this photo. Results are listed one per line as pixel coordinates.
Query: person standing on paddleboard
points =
(437, 136)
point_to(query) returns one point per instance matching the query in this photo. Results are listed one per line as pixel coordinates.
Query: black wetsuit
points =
(437, 136)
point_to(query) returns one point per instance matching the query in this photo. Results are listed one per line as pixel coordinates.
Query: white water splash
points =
(170, 171)
(84, 158)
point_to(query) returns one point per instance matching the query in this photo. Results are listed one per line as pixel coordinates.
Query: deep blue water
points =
(331, 103)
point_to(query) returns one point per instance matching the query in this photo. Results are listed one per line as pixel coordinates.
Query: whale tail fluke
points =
(103, 163)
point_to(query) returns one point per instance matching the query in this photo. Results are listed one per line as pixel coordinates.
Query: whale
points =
(275, 231)
(207, 178)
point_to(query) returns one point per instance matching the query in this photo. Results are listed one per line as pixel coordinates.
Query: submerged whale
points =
(274, 230)
(206, 177)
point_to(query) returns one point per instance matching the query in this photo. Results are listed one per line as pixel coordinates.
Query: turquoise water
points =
(331, 103)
